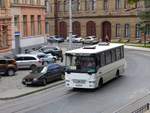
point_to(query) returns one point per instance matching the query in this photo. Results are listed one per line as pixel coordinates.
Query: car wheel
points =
(117, 74)
(44, 82)
(10, 72)
(33, 67)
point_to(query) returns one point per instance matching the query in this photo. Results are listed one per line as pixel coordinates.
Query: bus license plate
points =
(79, 85)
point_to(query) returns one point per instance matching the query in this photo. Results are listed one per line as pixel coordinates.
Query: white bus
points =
(92, 66)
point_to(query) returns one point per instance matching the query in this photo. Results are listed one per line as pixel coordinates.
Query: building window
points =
(24, 1)
(16, 1)
(91, 28)
(39, 24)
(16, 22)
(75, 5)
(105, 5)
(32, 25)
(90, 5)
(47, 28)
(25, 25)
(93, 4)
(126, 4)
(2, 3)
(31, 1)
(118, 30)
(118, 4)
(66, 5)
(38, 2)
(58, 6)
(138, 32)
(127, 31)
(3, 36)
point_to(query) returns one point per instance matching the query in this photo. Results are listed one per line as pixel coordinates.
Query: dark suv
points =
(7, 67)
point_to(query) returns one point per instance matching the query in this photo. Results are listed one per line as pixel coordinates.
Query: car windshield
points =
(41, 56)
(83, 64)
(42, 70)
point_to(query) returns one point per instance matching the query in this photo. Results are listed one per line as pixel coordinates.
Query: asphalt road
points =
(133, 84)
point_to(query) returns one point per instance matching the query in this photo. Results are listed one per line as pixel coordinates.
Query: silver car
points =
(30, 61)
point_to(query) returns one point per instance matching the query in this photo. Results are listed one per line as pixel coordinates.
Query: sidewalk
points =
(19, 92)
(137, 48)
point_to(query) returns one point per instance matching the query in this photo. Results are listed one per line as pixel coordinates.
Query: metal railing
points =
(142, 109)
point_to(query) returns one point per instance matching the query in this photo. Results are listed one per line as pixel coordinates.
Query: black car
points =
(55, 51)
(44, 75)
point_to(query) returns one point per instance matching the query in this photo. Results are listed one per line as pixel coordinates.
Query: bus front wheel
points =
(117, 74)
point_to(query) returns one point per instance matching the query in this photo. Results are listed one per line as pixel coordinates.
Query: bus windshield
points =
(83, 64)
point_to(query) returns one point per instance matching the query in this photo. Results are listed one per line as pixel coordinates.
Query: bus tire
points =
(117, 74)
(100, 84)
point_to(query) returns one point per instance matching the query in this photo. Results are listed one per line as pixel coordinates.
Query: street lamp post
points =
(70, 24)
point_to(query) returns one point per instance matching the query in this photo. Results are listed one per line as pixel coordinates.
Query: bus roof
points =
(94, 48)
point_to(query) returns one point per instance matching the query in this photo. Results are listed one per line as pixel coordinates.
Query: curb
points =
(137, 48)
(32, 92)
(131, 103)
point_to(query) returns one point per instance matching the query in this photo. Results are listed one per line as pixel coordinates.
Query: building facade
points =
(28, 18)
(115, 19)
(5, 26)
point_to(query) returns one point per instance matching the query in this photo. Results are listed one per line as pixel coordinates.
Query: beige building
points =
(5, 26)
(28, 18)
(115, 19)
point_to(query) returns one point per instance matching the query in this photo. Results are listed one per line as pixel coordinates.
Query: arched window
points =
(91, 28)
(63, 29)
(76, 28)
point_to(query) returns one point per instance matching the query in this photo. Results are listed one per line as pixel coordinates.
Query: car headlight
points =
(35, 79)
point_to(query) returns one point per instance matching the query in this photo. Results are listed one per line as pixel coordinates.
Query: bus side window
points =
(102, 59)
(118, 53)
(98, 61)
(108, 57)
(122, 52)
(113, 55)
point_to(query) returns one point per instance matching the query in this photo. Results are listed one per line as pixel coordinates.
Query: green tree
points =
(144, 17)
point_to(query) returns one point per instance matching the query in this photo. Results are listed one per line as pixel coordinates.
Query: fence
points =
(142, 109)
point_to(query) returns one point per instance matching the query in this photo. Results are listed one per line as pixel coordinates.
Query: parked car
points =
(44, 75)
(75, 39)
(55, 51)
(8, 67)
(55, 38)
(49, 58)
(29, 61)
(90, 40)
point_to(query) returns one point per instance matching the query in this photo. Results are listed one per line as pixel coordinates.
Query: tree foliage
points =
(144, 15)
